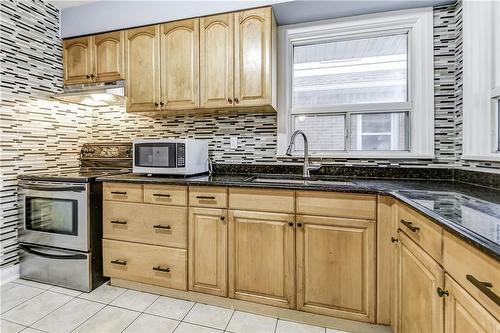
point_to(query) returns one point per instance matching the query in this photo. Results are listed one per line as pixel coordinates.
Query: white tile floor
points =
(31, 307)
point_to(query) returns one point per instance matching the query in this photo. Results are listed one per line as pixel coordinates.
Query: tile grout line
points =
(72, 298)
(227, 325)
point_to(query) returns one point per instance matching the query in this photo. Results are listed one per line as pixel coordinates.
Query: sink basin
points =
(317, 182)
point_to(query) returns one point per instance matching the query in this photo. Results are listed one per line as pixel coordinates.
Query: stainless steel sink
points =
(312, 182)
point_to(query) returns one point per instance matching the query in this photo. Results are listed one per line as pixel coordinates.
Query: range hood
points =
(94, 94)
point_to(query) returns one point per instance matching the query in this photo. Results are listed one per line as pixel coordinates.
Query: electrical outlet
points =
(233, 140)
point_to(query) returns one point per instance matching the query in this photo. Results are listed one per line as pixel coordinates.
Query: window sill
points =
(493, 157)
(352, 155)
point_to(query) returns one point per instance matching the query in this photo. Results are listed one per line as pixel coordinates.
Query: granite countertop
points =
(468, 211)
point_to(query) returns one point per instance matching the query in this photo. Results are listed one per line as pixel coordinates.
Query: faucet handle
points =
(315, 167)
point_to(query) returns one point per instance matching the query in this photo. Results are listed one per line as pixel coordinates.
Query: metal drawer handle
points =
(159, 226)
(53, 188)
(161, 269)
(410, 225)
(50, 255)
(161, 195)
(485, 288)
(203, 197)
(119, 262)
(119, 193)
(118, 222)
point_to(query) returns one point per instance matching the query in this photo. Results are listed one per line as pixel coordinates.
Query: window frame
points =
(418, 25)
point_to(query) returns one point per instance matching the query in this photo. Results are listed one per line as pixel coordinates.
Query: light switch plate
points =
(233, 140)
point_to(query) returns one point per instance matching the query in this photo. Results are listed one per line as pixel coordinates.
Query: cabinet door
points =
(216, 60)
(261, 257)
(179, 64)
(77, 60)
(336, 267)
(420, 307)
(252, 59)
(464, 314)
(142, 55)
(208, 250)
(108, 54)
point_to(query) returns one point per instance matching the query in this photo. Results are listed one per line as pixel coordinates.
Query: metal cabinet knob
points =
(442, 292)
(290, 224)
(236, 100)
(299, 224)
(230, 100)
(394, 240)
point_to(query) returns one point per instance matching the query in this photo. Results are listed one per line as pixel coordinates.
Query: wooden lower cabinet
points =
(150, 264)
(420, 308)
(261, 257)
(463, 314)
(208, 250)
(336, 267)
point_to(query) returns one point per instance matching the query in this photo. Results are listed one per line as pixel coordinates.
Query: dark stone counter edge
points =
(484, 245)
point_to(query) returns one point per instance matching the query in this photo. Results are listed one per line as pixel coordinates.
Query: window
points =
(351, 85)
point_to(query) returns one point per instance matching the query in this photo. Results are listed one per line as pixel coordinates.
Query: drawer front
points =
(263, 200)
(208, 196)
(469, 267)
(150, 264)
(350, 205)
(145, 223)
(165, 195)
(427, 234)
(122, 192)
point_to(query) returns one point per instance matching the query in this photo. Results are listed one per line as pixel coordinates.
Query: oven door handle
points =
(53, 188)
(52, 256)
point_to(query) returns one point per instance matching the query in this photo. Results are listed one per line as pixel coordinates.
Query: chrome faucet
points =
(307, 167)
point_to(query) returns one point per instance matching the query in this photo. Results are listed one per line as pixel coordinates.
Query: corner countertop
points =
(470, 212)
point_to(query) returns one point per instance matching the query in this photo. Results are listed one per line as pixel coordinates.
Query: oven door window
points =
(52, 215)
(155, 155)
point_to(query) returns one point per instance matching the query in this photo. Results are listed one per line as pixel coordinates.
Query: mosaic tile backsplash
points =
(38, 133)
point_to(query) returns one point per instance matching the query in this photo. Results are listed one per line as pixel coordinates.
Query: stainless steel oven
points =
(55, 214)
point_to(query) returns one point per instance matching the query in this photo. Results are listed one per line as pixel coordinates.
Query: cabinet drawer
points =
(263, 200)
(350, 205)
(122, 192)
(165, 194)
(208, 196)
(424, 232)
(469, 267)
(145, 223)
(158, 265)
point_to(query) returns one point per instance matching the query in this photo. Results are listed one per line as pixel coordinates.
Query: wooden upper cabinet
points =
(252, 57)
(420, 307)
(108, 54)
(336, 267)
(261, 257)
(142, 68)
(77, 60)
(216, 60)
(464, 314)
(179, 64)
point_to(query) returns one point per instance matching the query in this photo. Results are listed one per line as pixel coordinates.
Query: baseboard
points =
(9, 274)
(266, 310)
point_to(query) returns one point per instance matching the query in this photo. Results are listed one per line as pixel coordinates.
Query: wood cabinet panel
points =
(427, 234)
(77, 60)
(208, 250)
(144, 223)
(208, 196)
(165, 194)
(350, 205)
(108, 56)
(336, 267)
(122, 192)
(142, 68)
(252, 57)
(261, 258)
(180, 64)
(464, 314)
(420, 308)
(157, 265)
(264, 200)
(462, 260)
(216, 60)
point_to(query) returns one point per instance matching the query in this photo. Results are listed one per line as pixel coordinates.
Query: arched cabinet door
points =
(216, 61)
(252, 57)
(108, 56)
(142, 68)
(77, 60)
(179, 64)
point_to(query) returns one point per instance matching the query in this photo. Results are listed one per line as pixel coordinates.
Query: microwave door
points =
(155, 155)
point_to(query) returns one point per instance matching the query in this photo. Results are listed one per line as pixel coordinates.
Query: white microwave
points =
(170, 156)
